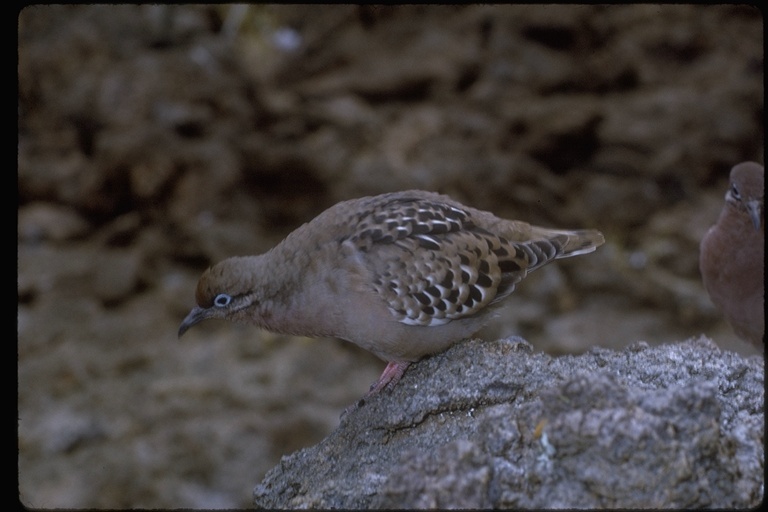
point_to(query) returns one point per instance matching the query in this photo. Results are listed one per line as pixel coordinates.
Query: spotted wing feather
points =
(432, 264)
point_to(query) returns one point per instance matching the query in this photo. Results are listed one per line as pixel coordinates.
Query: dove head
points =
(746, 192)
(228, 290)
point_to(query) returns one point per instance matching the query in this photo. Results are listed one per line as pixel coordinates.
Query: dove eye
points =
(222, 300)
(735, 192)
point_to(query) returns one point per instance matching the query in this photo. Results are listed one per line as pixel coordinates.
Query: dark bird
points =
(731, 259)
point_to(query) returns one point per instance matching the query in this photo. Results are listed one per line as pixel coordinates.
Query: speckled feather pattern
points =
(434, 262)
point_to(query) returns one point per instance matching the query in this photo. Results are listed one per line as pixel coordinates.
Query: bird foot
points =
(388, 378)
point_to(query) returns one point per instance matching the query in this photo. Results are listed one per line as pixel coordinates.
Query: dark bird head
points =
(746, 192)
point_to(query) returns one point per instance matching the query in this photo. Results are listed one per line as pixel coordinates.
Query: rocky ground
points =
(155, 140)
(490, 425)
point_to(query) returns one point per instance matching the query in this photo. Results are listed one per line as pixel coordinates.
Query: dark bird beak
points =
(753, 207)
(197, 314)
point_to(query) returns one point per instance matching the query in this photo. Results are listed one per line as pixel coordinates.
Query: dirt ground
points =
(156, 140)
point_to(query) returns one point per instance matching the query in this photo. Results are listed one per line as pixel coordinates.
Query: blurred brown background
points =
(156, 140)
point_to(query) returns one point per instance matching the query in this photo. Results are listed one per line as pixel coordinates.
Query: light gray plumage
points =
(402, 275)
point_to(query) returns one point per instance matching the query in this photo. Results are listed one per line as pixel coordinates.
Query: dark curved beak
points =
(754, 209)
(197, 314)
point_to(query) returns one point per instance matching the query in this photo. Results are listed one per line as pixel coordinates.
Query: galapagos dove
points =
(402, 275)
(731, 256)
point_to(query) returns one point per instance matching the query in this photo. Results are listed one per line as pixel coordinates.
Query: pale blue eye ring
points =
(222, 300)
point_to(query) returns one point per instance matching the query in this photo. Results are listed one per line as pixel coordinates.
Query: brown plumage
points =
(731, 257)
(402, 275)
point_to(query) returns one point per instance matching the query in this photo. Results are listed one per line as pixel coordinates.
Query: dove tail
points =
(582, 242)
(573, 243)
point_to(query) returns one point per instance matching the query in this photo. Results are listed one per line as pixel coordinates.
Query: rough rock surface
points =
(493, 425)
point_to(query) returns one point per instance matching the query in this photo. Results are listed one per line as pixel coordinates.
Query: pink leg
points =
(389, 376)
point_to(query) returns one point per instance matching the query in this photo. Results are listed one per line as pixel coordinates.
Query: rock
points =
(50, 273)
(116, 274)
(45, 221)
(493, 425)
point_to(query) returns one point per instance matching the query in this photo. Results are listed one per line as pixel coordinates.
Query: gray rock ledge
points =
(494, 425)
